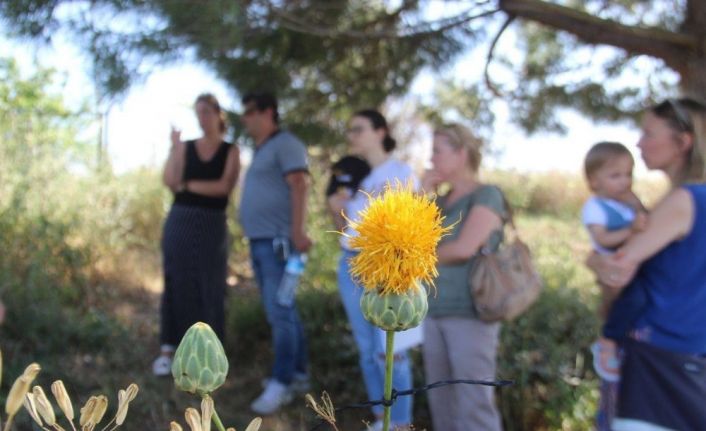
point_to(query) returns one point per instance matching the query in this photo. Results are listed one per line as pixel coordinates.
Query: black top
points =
(197, 169)
(347, 172)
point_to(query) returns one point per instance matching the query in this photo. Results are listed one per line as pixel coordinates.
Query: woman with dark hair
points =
(369, 138)
(201, 173)
(663, 372)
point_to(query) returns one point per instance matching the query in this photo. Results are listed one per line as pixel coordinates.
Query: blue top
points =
(265, 204)
(610, 214)
(675, 282)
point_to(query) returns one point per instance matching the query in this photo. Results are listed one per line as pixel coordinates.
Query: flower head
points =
(397, 237)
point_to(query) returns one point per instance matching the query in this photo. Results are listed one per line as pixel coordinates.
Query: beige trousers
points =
(461, 348)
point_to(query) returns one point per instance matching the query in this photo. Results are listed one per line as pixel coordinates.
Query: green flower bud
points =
(395, 312)
(200, 365)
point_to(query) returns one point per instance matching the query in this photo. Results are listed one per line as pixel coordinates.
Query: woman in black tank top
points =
(201, 173)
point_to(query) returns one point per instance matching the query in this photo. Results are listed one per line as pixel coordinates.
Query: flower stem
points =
(217, 420)
(389, 355)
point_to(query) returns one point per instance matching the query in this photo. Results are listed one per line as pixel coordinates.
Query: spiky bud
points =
(395, 311)
(200, 365)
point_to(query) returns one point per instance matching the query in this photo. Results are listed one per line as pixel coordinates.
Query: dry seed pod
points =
(193, 419)
(206, 413)
(20, 387)
(99, 410)
(131, 391)
(254, 424)
(31, 408)
(44, 407)
(124, 398)
(62, 399)
(87, 410)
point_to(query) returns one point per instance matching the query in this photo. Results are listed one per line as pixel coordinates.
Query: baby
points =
(611, 216)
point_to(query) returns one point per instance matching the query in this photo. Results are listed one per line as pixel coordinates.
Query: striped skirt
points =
(195, 253)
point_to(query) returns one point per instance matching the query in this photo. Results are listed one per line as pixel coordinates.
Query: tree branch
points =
(673, 48)
(293, 22)
(488, 82)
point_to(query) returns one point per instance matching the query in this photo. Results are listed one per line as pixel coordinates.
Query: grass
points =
(85, 305)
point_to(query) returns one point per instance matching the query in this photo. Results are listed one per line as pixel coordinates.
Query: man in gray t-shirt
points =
(266, 204)
(273, 214)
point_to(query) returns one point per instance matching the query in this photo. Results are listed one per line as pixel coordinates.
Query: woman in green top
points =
(456, 344)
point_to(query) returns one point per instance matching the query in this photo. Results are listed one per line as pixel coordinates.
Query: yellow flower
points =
(397, 238)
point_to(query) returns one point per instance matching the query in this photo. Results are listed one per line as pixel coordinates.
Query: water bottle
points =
(293, 271)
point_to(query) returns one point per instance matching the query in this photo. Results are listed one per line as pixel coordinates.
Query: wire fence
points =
(396, 394)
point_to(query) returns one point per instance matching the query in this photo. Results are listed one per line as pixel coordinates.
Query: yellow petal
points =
(397, 235)
(173, 426)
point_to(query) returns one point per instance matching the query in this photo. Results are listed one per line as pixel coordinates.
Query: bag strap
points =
(508, 219)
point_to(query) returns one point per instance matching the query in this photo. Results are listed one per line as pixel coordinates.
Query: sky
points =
(137, 127)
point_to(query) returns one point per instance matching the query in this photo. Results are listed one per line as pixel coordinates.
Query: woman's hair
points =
(377, 120)
(211, 101)
(601, 153)
(459, 136)
(687, 115)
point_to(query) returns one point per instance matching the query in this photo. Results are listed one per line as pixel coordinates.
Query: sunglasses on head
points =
(680, 114)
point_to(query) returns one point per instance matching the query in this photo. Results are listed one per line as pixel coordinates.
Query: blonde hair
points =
(687, 115)
(600, 154)
(211, 101)
(459, 137)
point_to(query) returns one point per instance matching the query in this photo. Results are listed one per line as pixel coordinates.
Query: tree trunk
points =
(693, 81)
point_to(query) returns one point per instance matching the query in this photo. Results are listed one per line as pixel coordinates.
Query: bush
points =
(545, 352)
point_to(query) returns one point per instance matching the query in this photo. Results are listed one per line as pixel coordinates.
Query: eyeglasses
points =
(680, 114)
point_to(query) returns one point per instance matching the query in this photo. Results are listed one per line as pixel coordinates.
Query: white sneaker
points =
(162, 366)
(301, 383)
(272, 398)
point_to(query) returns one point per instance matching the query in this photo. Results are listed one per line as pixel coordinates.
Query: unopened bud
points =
(200, 364)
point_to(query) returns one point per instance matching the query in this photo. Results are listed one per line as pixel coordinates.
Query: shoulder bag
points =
(504, 283)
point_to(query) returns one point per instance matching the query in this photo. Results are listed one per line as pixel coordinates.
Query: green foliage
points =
(546, 353)
(46, 265)
(325, 59)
